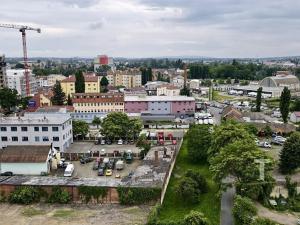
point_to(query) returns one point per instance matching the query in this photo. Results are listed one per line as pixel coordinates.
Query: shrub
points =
(137, 195)
(243, 210)
(188, 190)
(58, 195)
(88, 193)
(2, 197)
(25, 195)
(263, 221)
(195, 218)
(200, 180)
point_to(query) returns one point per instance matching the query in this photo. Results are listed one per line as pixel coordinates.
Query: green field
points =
(174, 208)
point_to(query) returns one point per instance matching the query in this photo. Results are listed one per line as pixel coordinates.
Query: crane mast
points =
(23, 29)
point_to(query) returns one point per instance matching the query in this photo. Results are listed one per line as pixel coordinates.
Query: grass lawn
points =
(30, 211)
(173, 208)
(220, 98)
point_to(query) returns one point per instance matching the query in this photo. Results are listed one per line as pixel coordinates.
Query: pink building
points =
(160, 105)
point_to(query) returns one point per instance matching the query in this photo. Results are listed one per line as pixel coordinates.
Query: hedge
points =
(137, 195)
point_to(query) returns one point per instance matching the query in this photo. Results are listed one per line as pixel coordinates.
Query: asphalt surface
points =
(226, 206)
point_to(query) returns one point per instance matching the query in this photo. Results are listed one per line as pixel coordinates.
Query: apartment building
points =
(128, 79)
(88, 105)
(2, 71)
(37, 129)
(52, 78)
(68, 85)
(92, 83)
(160, 105)
(16, 80)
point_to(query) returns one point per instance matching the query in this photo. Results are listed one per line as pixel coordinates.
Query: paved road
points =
(216, 113)
(226, 206)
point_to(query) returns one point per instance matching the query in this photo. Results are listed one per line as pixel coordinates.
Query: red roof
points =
(69, 79)
(90, 78)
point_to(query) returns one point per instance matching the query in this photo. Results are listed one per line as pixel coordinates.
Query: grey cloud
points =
(96, 25)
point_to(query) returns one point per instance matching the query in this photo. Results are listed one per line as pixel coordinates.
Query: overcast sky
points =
(152, 28)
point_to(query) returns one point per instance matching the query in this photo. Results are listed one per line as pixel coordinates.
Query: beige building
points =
(98, 103)
(92, 83)
(68, 85)
(52, 78)
(128, 79)
(168, 90)
(2, 72)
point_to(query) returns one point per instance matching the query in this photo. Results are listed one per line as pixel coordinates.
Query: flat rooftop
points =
(157, 98)
(255, 87)
(36, 119)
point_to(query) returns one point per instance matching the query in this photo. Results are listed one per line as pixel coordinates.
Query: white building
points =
(37, 129)
(16, 80)
(178, 81)
(295, 117)
(2, 71)
(195, 84)
(28, 160)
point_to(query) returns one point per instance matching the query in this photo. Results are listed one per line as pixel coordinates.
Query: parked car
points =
(95, 165)
(120, 142)
(120, 165)
(7, 173)
(267, 145)
(130, 174)
(118, 175)
(102, 142)
(108, 142)
(102, 152)
(100, 172)
(69, 170)
(108, 172)
(85, 160)
(102, 166)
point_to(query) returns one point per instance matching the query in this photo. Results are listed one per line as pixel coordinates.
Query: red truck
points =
(160, 138)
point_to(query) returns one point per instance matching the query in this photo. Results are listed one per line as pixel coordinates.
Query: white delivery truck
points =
(69, 170)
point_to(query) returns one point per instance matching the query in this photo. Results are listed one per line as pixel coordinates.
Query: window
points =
(54, 128)
(37, 139)
(24, 138)
(3, 138)
(3, 129)
(13, 128)
(55, 138)
(14, 138)
(24, 129)
(44, 128)
(45, 138)
(36, 129)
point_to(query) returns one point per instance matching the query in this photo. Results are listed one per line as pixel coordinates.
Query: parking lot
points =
(85, 147)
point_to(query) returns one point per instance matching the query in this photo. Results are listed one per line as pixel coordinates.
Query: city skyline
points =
(144, 28)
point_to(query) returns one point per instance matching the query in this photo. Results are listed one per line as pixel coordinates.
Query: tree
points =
(251, 128)
(290, 154)
(104, 83)
(69, 100)
(202, 185)
(80, 128)
(59, 96)
(258, 99)
(185, 91)
(243, 211)
(296, 105)
(79, 83)
(119, 125)
(195, 218)
(188, 191)
(96, 121)
(285, 104)
(198, 142)
(8, 99)
(268, 131)
(227, 133)
(143, 144)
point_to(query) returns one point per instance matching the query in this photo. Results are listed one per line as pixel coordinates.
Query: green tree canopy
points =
(59, 96)
(243, 211)
(285, 99)
(195, 218)
(79, 83)
(80, 128)
(119, 125)
(198, 142)
(290, 154)
(9, 99)
(69, 100)
(104, 82)
(258, 99)
(96, 121)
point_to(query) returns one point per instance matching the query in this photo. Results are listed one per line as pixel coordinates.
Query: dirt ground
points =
(280, 217)
(72, 215)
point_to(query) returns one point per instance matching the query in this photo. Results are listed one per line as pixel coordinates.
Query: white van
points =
(69, 170)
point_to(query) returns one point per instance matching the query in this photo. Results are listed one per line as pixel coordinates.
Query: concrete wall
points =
(25, 168)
